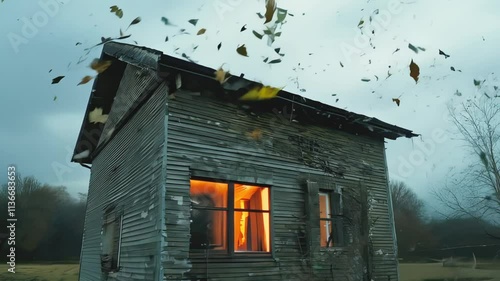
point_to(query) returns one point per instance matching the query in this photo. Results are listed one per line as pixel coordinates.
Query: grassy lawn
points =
(35, 272)
(408, 272)
(436, 272)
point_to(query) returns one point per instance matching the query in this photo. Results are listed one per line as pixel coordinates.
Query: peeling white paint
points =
(151, 207)
(144, 214)
(179, 199)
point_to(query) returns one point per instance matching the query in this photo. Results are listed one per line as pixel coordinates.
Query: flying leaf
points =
(414, 71)
(135, 21)
(281, 15)
(257, 34)
(96, 116)
(78, 43)
(242, 50)
(361, 22)
(413, 48)
(201, 31)
(275, 61)
(193, 21)
(50, 71)
(396, 100)
(261, 93)
(55, 97)
(57, 79)
(457, 93)
(166, 39)
(221, 75)
(477, 82)
(365, 80)
(85, 80)
(421, 49)
(243, 28)
(260, 15)
(255, 134)
(266, 59)
(219, 46)
(270, 9)
(395, 50)
(118, 12)
(100, 65)
(341, 65)
(444, 54)
(165, 21)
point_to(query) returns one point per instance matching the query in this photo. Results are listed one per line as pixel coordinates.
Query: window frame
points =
(112, 218)
(230, 226)
(336, 218)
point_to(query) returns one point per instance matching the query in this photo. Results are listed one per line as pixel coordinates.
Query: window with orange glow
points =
(230, 217)
(330, 219)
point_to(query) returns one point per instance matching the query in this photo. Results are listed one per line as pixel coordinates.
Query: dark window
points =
(111, 240)
(330, 218)
(230, 217)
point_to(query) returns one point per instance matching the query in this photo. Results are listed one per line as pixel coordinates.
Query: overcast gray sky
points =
(38, 134)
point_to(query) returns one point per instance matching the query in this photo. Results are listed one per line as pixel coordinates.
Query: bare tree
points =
(475, 191)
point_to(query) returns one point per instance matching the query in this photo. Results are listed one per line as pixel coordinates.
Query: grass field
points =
(408, 272)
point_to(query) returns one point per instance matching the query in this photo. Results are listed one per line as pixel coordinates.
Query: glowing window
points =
(330, 219)
(230, 217)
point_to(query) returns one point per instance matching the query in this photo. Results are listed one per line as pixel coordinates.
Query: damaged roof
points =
(305, 110)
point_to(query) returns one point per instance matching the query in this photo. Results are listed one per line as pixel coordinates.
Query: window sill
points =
(236, 257)
(334, 249)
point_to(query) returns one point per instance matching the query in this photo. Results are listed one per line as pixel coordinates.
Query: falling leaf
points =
(166, 39)
(78, 43)
(100, 65)
(452, 68)
(219, 46)
(443, 53)
(303, 90)
(221, 75)
(55, 97)
(396, 100)
(165, 21)
(413, 48)
(341, 65)
(257, 34)
(281, 15)
(193, 21)
(477, 82)
(365, 80)
(50, 71)
(118, 12)
(135, 21)
(96, 116)
(457, 93)
(395, 51)
(261, 93)
(85, 80)
(376, 77)
(495, 87)
(123, 37)
(275, 61)
(255, 134)
(242, 50)
(57, 79)
(421, 49)
(361, 22)
(270, 9)
(266, 59)
(260, 15)
(243, 28)
(414, 71)
(201, 31)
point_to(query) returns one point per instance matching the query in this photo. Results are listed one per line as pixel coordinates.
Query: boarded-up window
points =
(330, 218)
(229, 217)
(111, 240)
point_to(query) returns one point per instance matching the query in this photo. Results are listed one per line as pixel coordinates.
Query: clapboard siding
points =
(209, 135)
(128, 172)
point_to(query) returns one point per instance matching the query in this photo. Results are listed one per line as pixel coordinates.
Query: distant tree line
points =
(421, 238)
(49, 221)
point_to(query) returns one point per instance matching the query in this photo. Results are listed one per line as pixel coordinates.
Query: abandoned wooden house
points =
(190, 182)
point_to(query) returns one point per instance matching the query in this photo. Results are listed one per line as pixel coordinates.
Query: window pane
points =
(325, 232)
(251, 197)
(251, 232)
(208, 229)
(324, 206)
(208, 194)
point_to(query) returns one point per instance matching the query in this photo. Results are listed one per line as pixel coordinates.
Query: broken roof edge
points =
(153, 59)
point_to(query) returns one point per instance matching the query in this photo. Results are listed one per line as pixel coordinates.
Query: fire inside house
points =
(190, 182)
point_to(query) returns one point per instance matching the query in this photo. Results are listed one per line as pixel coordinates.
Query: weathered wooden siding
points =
(127, 172)
(212, 138)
